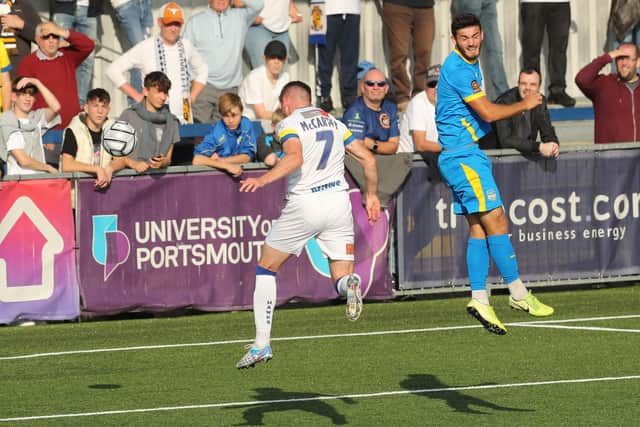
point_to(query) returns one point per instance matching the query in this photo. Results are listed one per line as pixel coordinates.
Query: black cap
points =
(275, 49)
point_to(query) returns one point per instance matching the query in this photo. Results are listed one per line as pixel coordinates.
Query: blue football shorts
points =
(468, 173)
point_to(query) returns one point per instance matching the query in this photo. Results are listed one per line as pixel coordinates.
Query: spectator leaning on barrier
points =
(19, 20)
(615, 97)
(231, 142)
(173, 55)
(261, 88)
(156, 128)
(81, 16)
(56, 67)
(418, 130)
(21, 128)
(373, 119)
(272, 23)
(219, 34)
(521, 130)
(268, 147)
(82, 149)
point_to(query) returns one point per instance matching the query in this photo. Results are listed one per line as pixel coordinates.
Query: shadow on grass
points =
(277, 400)
(430, 386)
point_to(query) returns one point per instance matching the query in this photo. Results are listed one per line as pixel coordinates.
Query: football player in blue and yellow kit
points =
(463, 114)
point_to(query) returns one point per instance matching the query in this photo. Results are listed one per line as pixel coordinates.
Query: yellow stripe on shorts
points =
(476, 186)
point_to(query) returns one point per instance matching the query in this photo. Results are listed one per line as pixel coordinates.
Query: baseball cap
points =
(433, 74)
(275, 49)
(171, 12)
(363, 68)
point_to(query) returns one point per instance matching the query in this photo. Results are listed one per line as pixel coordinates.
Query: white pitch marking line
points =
(357, 334)
(580, 328)
(317, 398)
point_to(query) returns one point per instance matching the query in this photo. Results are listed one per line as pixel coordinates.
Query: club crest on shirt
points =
(475, 86)
(385, 121)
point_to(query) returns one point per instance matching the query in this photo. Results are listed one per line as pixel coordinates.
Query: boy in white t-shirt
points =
(21, 128)
(418, 124)
(261, 88)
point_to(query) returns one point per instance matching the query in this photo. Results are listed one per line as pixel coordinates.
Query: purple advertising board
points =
(37, 260)
(570, 218)
(172, 241)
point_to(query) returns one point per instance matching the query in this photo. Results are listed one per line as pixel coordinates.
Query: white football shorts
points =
(325, 215)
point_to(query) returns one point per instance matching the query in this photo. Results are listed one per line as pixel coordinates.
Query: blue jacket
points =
(226, 142)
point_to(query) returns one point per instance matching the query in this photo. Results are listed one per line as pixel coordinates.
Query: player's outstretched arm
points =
(490, 112)
(362, 154)
(291, 161)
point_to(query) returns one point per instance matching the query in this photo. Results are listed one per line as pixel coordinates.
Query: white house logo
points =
(109, 246)
(53, 245)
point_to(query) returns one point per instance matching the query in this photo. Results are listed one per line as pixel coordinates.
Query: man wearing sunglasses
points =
(463, 117)
(373, 119)
(56, 66)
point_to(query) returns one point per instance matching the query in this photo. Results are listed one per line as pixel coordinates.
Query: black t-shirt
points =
(70, 145)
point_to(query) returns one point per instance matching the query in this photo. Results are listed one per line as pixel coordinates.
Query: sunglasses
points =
(372, 83)
(50, 36)
(432, 84)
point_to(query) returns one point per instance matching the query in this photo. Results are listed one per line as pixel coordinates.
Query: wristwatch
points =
(374, 147)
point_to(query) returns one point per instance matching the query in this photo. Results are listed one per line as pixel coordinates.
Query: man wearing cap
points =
(261, 88)
(21, 128)
(219, 34)
(418, 125)
(170, 53)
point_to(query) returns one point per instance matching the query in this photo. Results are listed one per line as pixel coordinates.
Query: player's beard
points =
(466, 56)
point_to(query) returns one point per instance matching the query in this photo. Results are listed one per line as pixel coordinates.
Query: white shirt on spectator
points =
(420, 115)
(143, 57)
(256, 88)
(16, 142)
(338, 7)
(275, 15)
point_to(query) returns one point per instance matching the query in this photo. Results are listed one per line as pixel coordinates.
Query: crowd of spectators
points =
(193, 73)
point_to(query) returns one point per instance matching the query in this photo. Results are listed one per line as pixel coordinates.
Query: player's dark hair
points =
(464, 20)
(530, 70)
(159, 80)
(31, 89)
(637, 49)
(98, 94)
(296, 86)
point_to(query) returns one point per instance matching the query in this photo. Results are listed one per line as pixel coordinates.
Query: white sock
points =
(264, 304)
(341, 286)
(517, 290)
(481, 295)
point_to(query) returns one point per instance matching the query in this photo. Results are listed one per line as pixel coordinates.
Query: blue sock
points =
(504, 256)
(264, 271)
(477, 263)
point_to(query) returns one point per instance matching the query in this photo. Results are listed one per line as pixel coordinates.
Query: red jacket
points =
(59, 75)
(616, 108)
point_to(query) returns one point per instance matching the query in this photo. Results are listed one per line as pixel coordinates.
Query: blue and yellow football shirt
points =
(460, 82)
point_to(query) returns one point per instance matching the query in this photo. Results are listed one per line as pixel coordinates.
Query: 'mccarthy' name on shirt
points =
(318, 122)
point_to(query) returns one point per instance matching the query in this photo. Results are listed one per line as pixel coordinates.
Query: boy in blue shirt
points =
(231, 142)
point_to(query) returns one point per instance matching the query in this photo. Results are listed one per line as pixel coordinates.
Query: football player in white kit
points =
(318, 205)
